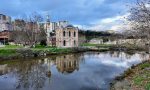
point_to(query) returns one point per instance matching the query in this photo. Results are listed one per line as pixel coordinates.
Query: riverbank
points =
(135, 78)
(16, 52)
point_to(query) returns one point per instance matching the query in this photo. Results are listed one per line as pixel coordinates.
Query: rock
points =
(147, 69)
(121, 85)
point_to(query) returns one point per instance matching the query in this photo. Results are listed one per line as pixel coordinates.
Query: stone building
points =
(5, 28)
(62, 23)
(18, 24)
(67, 36)
(5, 23)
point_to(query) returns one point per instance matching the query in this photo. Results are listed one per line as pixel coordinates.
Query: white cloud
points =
(113, 23)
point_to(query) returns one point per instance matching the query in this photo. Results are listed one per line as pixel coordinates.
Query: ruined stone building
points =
(67, 36)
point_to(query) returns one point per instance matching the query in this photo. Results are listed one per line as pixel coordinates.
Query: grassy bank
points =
(15, 52)
(97, 45)
(137, 76)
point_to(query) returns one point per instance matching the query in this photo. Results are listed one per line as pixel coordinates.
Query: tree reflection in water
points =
(33, 73)
(30, 74)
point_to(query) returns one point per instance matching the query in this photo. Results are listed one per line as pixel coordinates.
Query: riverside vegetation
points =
(135, 78)
(15, 51)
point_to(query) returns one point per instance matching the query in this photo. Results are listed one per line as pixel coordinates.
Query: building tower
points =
(47, 28)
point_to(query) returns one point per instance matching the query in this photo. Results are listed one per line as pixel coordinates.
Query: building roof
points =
(70, 26)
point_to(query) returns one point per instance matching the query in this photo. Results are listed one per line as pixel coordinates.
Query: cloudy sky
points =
(89, 14)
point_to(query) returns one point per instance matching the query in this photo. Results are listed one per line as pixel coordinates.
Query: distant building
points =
(96, 41)
(5, 23)
(81, 39)
(5, 28)
(62, 23)
(32, 26)
(18, 24)
(4, 36)
(67, 36)
(111, 31)
(51, 28)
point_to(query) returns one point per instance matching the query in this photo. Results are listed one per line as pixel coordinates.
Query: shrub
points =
(43, 43)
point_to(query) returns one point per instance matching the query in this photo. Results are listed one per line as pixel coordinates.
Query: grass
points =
(141, 76)
(7, 52)
(138, 76)
(144, 65)
(53, 50)
(138, 80)
(42, 46)
(60, 50)
(97, 45)
(11, 47)
(147, 86)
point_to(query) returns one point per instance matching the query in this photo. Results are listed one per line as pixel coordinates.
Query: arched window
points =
(64, 33)
(74, 34)
(74, 43)
(69, 33)
(64, 43)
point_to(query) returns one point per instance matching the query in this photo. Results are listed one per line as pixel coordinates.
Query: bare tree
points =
(29, 31)
(139, 20)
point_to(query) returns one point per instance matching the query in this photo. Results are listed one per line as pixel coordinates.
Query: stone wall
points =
(67, 37)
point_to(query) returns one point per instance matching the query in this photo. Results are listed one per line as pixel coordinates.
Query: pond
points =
(82, 71)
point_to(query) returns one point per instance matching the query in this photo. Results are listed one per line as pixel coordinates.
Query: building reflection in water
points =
(67, 63)
(64, 64)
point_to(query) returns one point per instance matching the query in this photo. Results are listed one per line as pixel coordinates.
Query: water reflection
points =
(67, 63)
(86, 71)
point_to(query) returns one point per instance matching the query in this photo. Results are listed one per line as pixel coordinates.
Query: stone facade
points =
(5, 23)
(67, 36)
